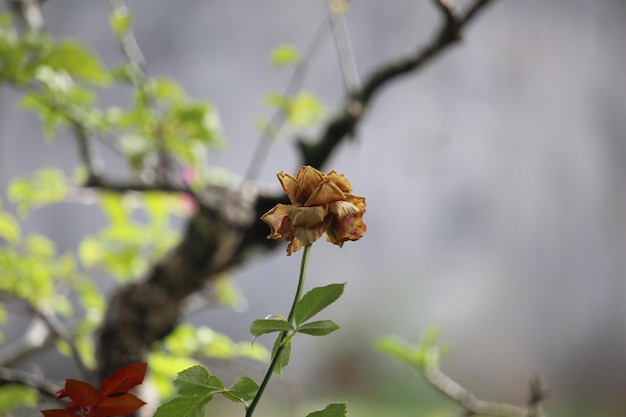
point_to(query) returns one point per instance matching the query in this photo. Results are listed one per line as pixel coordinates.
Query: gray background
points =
(494, 180)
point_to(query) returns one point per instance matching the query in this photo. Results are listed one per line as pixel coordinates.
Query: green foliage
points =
(317, 300)
(423, 356)
(126, 247)
(46, 186)
(283, 55)
(121, 22)
(187, 342)
(14, 395)
(303, 110)
(277, 324)
(76, 60)
(332, 410)
(196, 387)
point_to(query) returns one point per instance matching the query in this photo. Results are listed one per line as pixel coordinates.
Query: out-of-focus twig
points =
(343, 45)
(472, 406)
(16, 376)
(278, 119)
(344, 124)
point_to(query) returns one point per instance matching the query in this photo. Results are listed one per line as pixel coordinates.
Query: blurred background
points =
(495, 182)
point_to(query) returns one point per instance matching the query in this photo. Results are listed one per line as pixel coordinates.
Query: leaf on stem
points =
(244, 389)
(263, 326)
(319, 328)
(317, 300)
(332, 410)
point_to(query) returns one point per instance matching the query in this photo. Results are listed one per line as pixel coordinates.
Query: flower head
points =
(320, 203)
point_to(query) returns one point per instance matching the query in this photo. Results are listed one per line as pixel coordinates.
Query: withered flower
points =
(320, 203)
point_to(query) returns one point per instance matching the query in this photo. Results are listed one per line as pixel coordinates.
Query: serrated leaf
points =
(244, 389)
(192, 406)
(197, 381)
(284, 356)
(317, 300)
(263, 326)
(319, 328)
(331, 410)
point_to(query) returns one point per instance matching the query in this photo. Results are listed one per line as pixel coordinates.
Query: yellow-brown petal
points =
(350, 227)
(307, 216)
(325, 193)
(309, 179)
(308, 235)
(343, 208)
(340, 181)
(278, 220)
(290, 185)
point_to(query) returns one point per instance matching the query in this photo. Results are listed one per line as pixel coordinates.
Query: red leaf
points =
(58, 413)
(124, 379)
(119, 405)
(82, 393)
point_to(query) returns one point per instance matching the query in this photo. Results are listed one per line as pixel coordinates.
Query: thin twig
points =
(129, 44)
(344, 124)
(278, 119)
(15, 376)
(469, 401)
(345, 54)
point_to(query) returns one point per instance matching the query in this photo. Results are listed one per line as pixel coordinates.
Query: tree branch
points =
(344, 124)
(14, 376)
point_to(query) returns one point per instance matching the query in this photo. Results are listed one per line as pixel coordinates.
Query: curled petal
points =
(278, 221)
(343, 208)
(350, 227)
(325, 193)
(340, 181)
(307, 216)
(290, 185)
(308, 179)
(308, 235)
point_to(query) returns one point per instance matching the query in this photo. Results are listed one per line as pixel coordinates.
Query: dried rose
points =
(320, 203)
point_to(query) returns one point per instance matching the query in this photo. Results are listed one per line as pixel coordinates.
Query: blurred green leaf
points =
(283, 55)
(40, 245)
(14, 395)
(305, 110)
(77, 60)
(163, 369)
(9, 228)
(90, 251)
(317, 300)
(45, 187)
(120, 21)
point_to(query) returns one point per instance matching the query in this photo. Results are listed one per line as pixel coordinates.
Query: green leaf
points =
(318, 328)
(184, 407)
(14, 395)
(283, 358)
(47, 186)
(77, 60)
(263, 326)
(332, 410)
(120, 22)
(400, 350)
(90, 251)
(305, 110)
(9, 228)
(244, 389)
(197, 381)
(283, 55)
(316, 300)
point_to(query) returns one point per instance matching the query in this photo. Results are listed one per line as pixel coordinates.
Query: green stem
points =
(282, 335)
